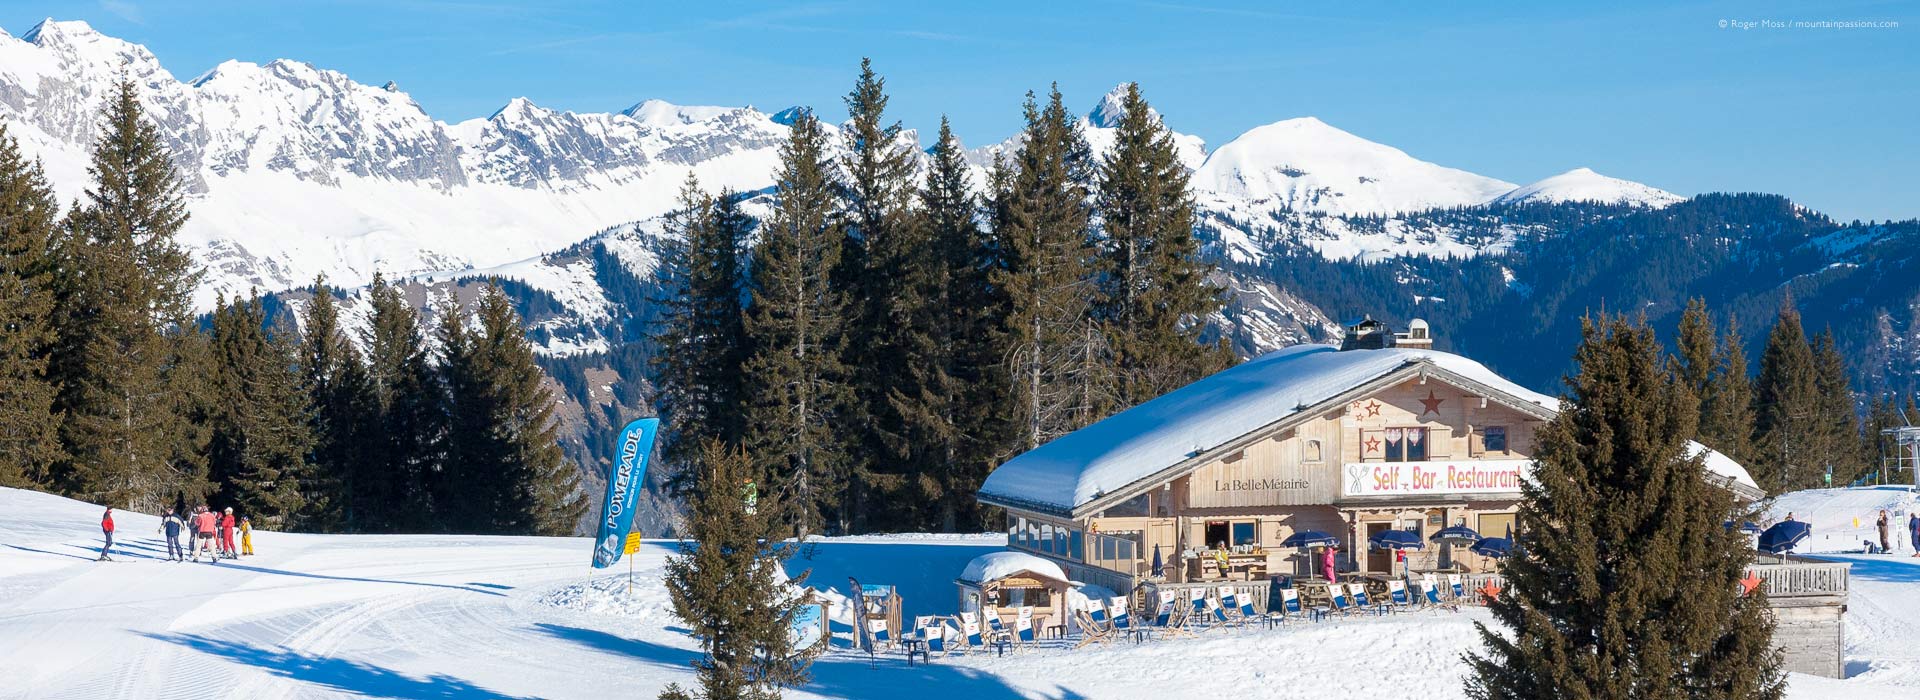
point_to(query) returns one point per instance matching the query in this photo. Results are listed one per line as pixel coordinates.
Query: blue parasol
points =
(1396, 539)
(1310, 538)
(1495, 547)
(1458, 534)
(1159, 569)
(1783, 536)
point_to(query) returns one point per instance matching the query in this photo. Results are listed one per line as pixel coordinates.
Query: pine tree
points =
(728, 588)
(1838, 419)
(261, 428)
(121, 310)
(505, 473)
(411, 402)
(344, 412)
(1786, 405)
(1058, 357)
(796, 323)
(29, 425)
(889, 279)
(700, 340)
(1625, 586)
(1697, 349)
(1154, 293)
(1726, 412)
(966, 388)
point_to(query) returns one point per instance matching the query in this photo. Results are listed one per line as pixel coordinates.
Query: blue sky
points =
(1655, 92)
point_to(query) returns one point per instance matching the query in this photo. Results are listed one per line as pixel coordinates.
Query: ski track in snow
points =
(484, 617)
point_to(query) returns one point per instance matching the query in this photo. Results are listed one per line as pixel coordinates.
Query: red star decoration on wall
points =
(1373, 444)
(1373, 408)
(1432, 403)
(1749, 584)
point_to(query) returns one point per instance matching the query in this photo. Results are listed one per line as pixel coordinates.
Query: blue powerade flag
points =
(623, 490)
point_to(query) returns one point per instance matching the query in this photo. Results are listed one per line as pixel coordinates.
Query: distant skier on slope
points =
(246, 537)
(203, 521)
(106, 528)
(171, 526)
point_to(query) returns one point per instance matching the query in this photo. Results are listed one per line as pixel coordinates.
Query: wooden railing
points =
(1801, 576)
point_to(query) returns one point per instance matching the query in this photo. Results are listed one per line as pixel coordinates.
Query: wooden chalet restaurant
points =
(1204, 486)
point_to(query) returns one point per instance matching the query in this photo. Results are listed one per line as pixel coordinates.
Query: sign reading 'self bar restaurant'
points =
(1434, 478)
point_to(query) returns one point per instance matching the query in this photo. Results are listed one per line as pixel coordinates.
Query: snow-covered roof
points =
(1134, 444)
(999, 565)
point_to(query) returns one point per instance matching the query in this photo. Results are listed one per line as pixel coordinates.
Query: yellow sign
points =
(633, 543)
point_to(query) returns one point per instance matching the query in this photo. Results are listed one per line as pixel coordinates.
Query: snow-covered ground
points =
(472, 617)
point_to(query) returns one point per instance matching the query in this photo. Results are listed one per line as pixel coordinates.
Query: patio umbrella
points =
(1458, 534)
(1310, 538)
(1747, 527)
(1158, 568)
(1396, 539)
(1495, 547)
(1783, 536)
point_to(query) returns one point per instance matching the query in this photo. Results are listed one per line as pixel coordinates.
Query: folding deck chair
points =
(970, 635)
(1247, 613)
(1118, 615)
(1360, 600)
(1091, 632)
(1455, 584)
(1288, 608)
(1227, 603)
(1337, 599)
(1397, 598)
(1097, 613)
(1023, 625)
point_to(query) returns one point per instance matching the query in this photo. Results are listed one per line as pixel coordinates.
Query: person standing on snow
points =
(246, 537)
(171, 527)
(226, 534)
(203, 528)
(106, 528)
(1913, 531)
(1885, 546)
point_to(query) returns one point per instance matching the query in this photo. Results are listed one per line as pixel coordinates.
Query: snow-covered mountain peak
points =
(662, 113)
(1111, 108)
(1585, 185)
(1307, 164)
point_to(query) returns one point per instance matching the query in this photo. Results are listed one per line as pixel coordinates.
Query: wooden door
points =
(1377, 559)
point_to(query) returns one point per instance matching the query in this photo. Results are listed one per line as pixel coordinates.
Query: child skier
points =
(246, 537)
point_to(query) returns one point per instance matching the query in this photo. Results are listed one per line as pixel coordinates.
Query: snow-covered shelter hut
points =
(1348, 439)
(1006, 581)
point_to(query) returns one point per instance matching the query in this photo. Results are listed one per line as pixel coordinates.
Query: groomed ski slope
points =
(483, 617)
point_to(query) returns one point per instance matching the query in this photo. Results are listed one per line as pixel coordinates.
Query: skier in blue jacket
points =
(171, 526)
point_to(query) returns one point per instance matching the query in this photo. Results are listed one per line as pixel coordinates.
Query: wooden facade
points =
(1414, 451)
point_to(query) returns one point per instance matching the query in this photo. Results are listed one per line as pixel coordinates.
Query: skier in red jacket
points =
(106, 528)
(227, 521)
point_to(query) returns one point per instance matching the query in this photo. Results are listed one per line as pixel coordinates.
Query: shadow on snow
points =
(341, 675)
(839, 675)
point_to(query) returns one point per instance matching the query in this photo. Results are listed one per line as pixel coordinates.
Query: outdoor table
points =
(1000, 646)
(916, 646)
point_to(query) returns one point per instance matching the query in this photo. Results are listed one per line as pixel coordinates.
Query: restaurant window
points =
(1496, 524)
(1310, 451)
(1217, 532)
(1406, 444)
(1495, 438)
(1074, 544)
(1245, 533)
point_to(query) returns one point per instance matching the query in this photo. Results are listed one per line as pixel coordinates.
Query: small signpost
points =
(633, 545)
